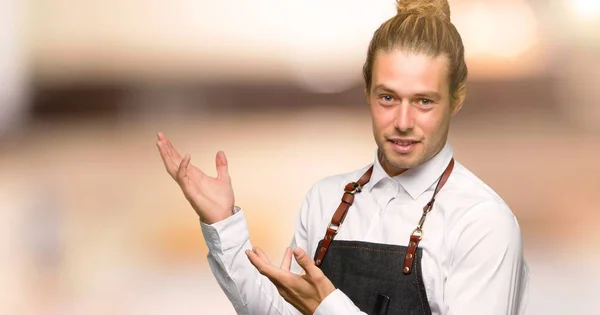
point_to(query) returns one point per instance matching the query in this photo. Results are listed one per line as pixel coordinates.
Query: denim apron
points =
(379, 278)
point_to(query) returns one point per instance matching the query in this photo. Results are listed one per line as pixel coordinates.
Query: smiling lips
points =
(403, 145)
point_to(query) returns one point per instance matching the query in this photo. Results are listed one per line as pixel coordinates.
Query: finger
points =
(182, 171)
(262, 255)
(286, 262)
(171, 158)
(167, 161)
(173, 154)
(262, 266)
(222, 167)
(305, 262)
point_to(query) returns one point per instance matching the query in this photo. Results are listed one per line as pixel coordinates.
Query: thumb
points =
(304, 261)
(221, 161)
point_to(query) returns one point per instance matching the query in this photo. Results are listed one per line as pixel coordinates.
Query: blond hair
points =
(422, 26)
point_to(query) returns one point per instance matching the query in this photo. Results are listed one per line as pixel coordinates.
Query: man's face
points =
(410, 108)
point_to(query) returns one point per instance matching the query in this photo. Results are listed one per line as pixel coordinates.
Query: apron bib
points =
(379, 278)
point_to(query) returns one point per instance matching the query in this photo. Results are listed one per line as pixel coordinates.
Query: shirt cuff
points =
(336, 303)
(226, 234)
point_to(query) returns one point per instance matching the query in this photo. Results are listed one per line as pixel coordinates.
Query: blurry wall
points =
(92, 224)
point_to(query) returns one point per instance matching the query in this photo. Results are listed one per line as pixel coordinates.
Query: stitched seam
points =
(417, 277)
(368, 249)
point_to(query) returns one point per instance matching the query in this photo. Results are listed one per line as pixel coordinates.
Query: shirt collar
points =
(415, 180)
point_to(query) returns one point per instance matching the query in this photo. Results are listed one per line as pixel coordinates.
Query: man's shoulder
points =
(336, 182)
(476, 200)
(470, 187)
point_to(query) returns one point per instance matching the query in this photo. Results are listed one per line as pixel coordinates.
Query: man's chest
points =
(379, 218)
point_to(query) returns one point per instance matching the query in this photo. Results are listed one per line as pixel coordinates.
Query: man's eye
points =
(387, 98)
(425, 102)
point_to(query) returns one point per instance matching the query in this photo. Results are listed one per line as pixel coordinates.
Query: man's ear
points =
(458, 99)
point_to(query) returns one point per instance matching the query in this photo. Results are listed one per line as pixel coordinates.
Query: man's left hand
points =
(305, 291)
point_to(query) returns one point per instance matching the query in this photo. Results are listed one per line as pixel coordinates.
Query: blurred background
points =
(90, 223)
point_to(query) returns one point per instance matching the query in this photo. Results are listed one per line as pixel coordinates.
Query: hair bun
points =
(434, 8)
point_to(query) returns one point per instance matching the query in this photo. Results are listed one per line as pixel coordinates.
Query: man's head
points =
(415, 76)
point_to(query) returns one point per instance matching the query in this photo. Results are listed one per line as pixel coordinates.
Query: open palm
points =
(211, 197)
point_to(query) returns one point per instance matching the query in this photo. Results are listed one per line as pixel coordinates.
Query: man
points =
(414, 233)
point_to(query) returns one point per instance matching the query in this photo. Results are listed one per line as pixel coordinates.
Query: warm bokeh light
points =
(586, 9)
(497, 28)
(318, 44)
(91, 223)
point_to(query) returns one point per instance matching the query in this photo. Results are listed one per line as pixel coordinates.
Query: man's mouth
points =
(403, 142)
(403, 145)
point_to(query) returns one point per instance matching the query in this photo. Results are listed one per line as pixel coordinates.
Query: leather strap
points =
(340, 214)
(348, 198)
(417, 234)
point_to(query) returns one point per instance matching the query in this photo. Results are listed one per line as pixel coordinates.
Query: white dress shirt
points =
(472, 252)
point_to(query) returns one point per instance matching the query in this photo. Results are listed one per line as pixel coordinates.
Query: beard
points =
(395, 163)
(394, 160)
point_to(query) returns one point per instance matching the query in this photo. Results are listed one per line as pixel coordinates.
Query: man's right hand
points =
(212, 198)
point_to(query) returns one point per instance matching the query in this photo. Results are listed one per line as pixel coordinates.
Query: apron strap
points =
(348, 198)
(340, 214)
(417, 234)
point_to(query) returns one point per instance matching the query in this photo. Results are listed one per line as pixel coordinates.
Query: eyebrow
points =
(425, 94)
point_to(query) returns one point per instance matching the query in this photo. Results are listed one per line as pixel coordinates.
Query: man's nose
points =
(404, 119)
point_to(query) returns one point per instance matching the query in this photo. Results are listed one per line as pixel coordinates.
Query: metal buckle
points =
(357, 189)
(418, 232)
(335, 228)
